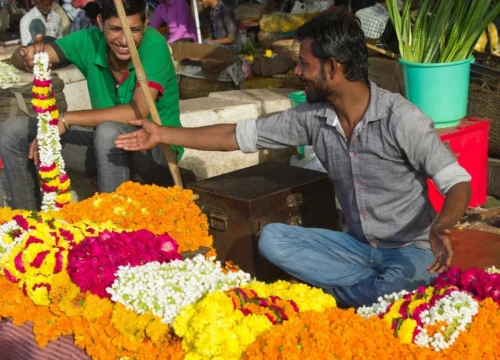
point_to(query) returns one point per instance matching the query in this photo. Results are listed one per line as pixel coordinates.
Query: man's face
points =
(45, 6)
(312, 74)
(115, 37)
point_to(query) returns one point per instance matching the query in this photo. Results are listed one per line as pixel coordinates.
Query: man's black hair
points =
(132, 7)
(339, 36)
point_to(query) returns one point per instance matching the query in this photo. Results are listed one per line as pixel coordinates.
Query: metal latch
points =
(218, 221)
(294, 199)
(296, 220)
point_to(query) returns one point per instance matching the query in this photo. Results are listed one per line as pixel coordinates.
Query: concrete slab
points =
(269, 101)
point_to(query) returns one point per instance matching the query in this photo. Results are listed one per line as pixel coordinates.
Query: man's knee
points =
(269, 241)
(106, 134)
(14, 129)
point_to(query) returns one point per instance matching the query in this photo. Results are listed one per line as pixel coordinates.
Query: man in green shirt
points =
(102, 55)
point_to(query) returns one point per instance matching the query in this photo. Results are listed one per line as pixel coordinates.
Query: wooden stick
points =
(143, 81)
(382, 51)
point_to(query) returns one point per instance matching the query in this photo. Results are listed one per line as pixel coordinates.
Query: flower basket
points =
(484, 96)
(289, 48)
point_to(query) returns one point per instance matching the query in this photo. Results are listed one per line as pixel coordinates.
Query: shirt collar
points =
(376, 109)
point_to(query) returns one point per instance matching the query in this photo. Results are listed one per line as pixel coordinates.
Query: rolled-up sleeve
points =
(290, 128)
(419, 140)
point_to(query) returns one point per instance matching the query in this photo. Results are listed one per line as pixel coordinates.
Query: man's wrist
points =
(63, 120)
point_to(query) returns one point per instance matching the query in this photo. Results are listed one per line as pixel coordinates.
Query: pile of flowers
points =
(92, 264)
(223, 324)
(165, 289)
(160, 210)
(427, 317)
(54, 181)
(479, 283)
(8, 73)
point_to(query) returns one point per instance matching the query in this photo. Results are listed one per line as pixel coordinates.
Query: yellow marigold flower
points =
(405, 333)
(268, 53)
(97, 202)
(41, 90)
(119, 211)
(63, 198)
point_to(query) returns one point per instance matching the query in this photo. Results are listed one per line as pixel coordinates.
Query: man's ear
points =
(146, 22)
(100, 23)
(331, 68)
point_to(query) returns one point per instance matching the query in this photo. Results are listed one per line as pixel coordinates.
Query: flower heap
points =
(165, 289)
(223, 324)
(428, 317)
(37, 249)
(55, 183)
(93, 263)
(478, 282)
(160, 210)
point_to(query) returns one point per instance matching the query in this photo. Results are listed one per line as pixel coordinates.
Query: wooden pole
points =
(143, 81)
(382, 51)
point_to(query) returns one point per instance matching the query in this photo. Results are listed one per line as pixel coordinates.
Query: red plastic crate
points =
(469, 142)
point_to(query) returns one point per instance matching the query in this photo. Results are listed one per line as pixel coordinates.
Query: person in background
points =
(87, 17)
(224, 31)
(177, 15)
(70, 9)
(41, 19)
(65, 20)
(374, 19)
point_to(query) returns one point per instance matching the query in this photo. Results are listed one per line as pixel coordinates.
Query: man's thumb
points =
(136, 122)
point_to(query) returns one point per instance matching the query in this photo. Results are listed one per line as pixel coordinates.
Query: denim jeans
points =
(89, 151)
(353, 271)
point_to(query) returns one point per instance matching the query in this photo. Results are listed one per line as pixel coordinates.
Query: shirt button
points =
(364, 217)
(351, 153)
(357, 183)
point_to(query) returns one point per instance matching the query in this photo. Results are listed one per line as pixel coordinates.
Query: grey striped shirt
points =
(380, 175)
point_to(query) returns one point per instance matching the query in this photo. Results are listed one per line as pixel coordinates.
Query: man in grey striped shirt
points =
(378, 149)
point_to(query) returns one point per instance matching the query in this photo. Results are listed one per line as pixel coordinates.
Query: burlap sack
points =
(266, 67)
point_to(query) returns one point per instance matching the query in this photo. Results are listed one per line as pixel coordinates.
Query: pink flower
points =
(294, 305)
(21, 222)
(418, 311)
(245, 312)
(9, 276)
(93, 263)
(471, 279)
(19, 264)
(37, 262)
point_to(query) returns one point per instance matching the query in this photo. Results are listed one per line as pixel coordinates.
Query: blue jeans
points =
(89, 151)
(353, 271)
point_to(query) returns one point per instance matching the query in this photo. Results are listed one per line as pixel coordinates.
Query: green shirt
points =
(87, 50)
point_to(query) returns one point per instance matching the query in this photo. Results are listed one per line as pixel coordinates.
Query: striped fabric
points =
(18, 343)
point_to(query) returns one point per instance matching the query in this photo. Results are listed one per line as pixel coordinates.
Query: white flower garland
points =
(7, 242)
(456, 309)
(49, 144)
(166, 289)
(8, 73)
(380, 307)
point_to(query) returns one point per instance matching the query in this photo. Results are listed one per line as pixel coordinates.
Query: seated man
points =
(177, 15)
(224, 31)
(378, 150)
(41, 19)
(102, 55)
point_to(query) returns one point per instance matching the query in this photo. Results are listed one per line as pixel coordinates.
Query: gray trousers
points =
(88, 151)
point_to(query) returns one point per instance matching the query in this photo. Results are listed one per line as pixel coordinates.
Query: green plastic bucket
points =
(441, 90)
(297, 98)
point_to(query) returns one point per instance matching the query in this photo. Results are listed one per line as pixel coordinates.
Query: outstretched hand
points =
(147, 137)
(440, 241)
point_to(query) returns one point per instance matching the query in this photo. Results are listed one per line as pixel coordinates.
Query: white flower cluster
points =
(165, 289)
(8, 73)
(380, 307)
(457, 310)
(493, 270)
(41, 67)
(6, 242)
